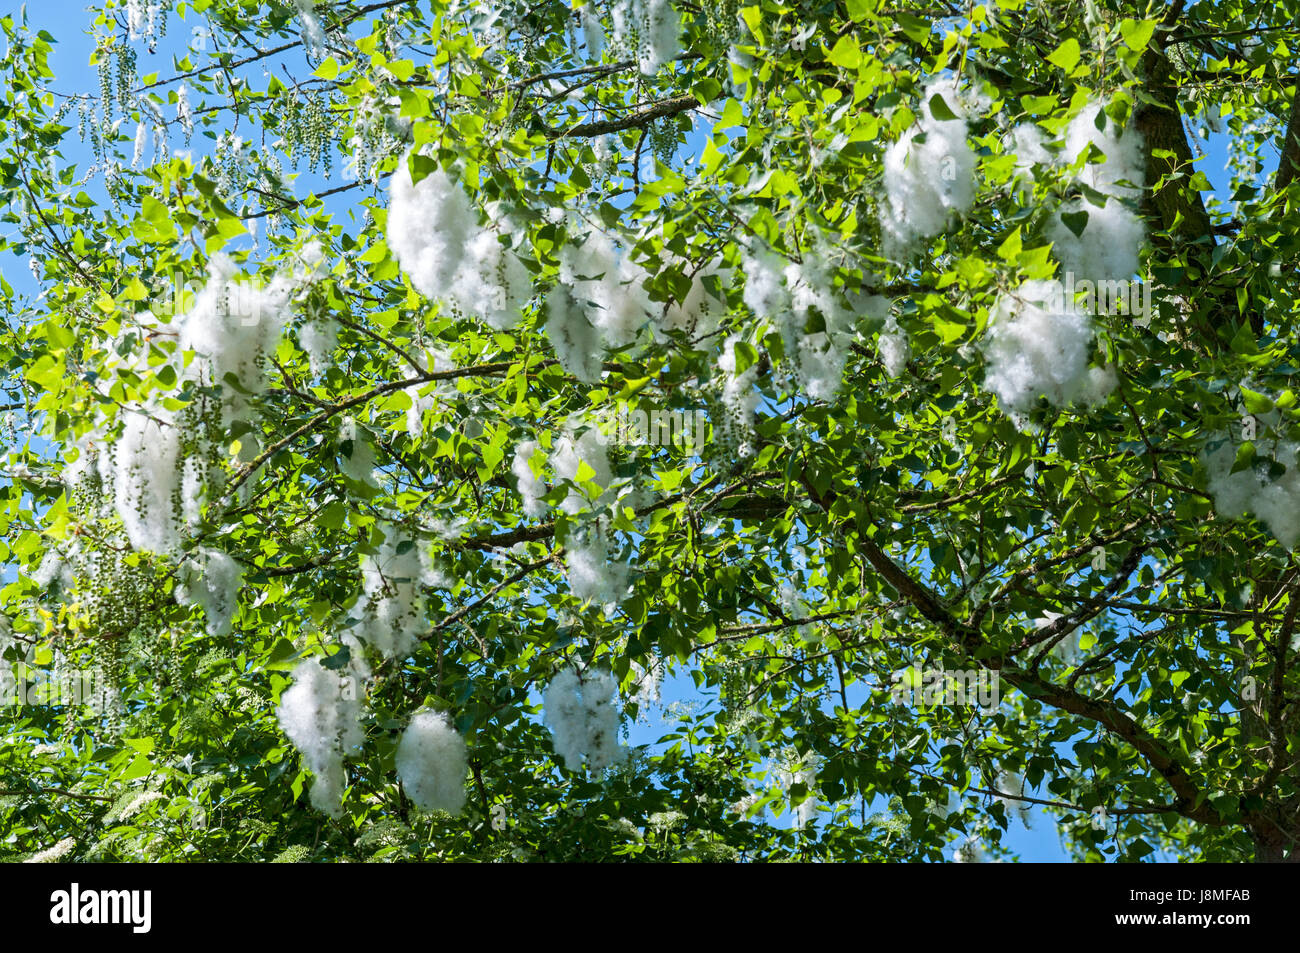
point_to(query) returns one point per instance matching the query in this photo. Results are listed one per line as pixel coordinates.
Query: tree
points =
(838, 361)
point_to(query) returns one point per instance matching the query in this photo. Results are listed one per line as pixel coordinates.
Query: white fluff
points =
(431, 762)
(739, 398)
(819, 356)
(222, 340)
(421, 404)
(198, 475)
(648, 29)
(146, 483)
(321, 715)
(93, 464)
(379, 130)
(894, 348)
(699, 312)
(360, 465)
(211, 579)
(450, 529)
(1029, 143)
(648, 680)
(593, 577)
(583, 718)
(141, 138)
(660, 28)
(435, 235)
(786, 294)
(56, 572)
(1275, 502)
(567, 458)
(135, 19)
(313, 32)
(593, 34)
(802, 770)
(183, 111)
(391, 608)
(576, 342)
(765, 293)
(318, 340)
(927, 183)
(1124, 158)
(1109, 245)
(608, 285)
(531, 487)
(231, 328)
(1013, 784)
(1038, 345)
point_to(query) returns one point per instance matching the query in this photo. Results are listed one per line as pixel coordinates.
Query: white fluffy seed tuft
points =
(583, 718)
(436, 237)
(1274, 501)
(930, 172)
(391, 608)
(573, 458)
(1039, 345)
(593, 576)
(211, 579)
(321, 714)
(431, 762)
(531, 487)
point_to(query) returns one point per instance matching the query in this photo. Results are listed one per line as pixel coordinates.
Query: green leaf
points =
(746, 356)
(939, 109)
(846, 53)
(138, 768)
(1038, 105)
(1076, 222)
(1066, 56)
(1137, 33)
(1245, 458)
(860, 10)
(1009, 250)
(917, 30)
(284, 655)
(1256, 403)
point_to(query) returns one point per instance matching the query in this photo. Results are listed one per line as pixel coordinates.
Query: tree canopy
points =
(405, 397)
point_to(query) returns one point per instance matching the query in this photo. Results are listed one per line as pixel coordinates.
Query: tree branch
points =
(643, 117)
(1290, 160)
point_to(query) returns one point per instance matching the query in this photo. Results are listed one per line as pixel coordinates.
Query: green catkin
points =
(316, 133)
(105, 69)
(291, 132)
(663, 142)
(125, 58)
(722, 21)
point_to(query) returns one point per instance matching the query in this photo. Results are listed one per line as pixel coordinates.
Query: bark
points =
(1290, 162)
(1178, 209)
